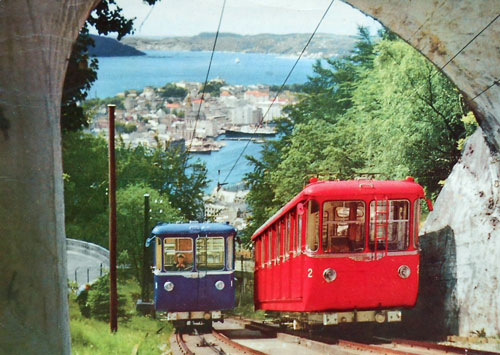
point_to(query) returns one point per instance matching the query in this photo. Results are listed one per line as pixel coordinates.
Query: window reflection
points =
(210, 253)
(178, 254)
(343, 226)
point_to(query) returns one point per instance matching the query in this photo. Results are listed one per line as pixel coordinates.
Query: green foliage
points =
(164, 170)
(213, 88)
(174, 183)
(174, 91)
(130, 224)
(408, 117)
(168, 170)
(288, 87)
(91, 336)
(98, 300)
(383, 109)
(125, 127)
(85, 166)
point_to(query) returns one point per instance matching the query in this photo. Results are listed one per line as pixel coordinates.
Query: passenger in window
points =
(180, 264)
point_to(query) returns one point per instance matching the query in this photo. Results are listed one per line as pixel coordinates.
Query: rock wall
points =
(460, 286)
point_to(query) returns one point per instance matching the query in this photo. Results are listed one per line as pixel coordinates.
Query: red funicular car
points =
(341, 251)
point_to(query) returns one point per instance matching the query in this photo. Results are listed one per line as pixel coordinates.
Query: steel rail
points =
(204, 342)
(232, 343)
(184, 348)
(447, 348)
(372, 348)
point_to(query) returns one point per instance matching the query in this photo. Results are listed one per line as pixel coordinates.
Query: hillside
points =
(110, 47)
(323, 45)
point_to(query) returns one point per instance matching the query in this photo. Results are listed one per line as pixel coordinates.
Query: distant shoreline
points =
(289, 45)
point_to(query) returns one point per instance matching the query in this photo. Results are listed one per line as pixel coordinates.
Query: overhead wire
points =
(279, 90)
(147, 16)
(472, 40)
(440, 69)
(206, 77)
(496, 82)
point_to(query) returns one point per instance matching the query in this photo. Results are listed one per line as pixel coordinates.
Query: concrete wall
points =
(91, 249)
(86, 262)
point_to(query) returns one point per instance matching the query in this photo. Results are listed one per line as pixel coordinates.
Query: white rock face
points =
(469, 205)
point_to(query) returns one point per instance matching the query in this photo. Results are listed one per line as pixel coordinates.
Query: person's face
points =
(181, 259)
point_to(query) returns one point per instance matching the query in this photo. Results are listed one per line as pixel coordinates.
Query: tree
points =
(408, 117)
(383, 109)
(213, 87)
(174, 91)
(86, 185)
(97, 304)
(130, 221)
(165, 169)
(169, 170)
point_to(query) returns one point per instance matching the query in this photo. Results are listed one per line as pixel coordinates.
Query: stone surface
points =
(35, 43)
(461, 244)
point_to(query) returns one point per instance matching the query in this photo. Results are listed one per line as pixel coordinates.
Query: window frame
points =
(390, 221)
(417, 207)
(207, 238)
(229, 252)
(176, 252)
(312, 227)
(330, 222)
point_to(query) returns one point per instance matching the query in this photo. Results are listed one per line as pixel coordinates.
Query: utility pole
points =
(145, 255)
(113, 295)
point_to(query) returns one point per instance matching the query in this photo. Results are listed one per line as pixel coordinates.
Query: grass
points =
(244, 298)
(141, 334)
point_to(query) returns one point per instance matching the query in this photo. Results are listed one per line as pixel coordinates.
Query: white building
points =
(245, 115)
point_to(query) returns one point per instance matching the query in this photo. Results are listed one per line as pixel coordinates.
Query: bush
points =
(98, 300)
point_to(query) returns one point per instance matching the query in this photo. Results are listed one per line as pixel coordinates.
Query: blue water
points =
(117, 74)
(225, 158)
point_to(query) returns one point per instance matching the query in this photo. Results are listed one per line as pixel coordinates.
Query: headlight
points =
(219, 285)
(329, 275)
(168, 286)
(404, 271)
(380, 317)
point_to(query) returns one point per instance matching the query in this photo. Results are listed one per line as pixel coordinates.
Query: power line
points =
(472, 40)
(440, 69)
(208, 73)
(281, 88)
(147, 16)
(496, 82)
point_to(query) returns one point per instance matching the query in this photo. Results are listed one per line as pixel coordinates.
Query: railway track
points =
(330, 345)
(215, 342)
(248, 337)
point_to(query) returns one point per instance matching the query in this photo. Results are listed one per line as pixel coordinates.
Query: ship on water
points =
(250, 131)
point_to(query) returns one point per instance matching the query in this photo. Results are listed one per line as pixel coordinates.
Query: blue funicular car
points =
(194, 271)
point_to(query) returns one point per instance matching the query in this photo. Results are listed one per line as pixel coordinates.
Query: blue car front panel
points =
(194, 291)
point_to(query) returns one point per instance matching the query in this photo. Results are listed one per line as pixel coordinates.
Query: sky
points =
(190, 17)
